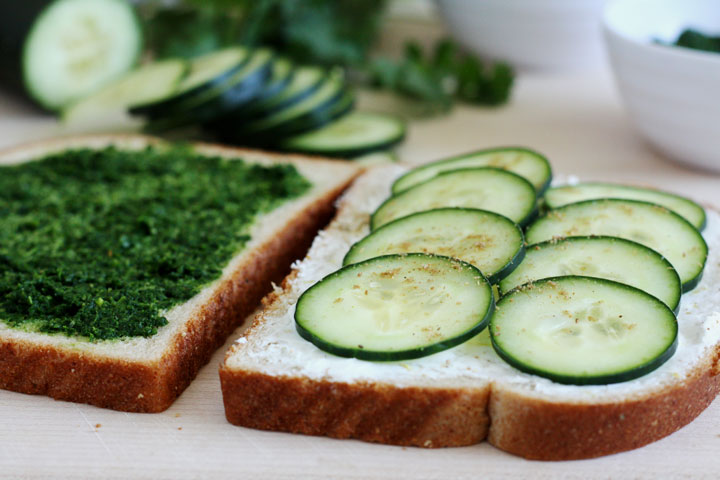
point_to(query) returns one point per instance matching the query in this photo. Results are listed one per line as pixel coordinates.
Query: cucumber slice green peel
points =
(562, 195)
(280, 77)
(485, 188)
(239, 89)
(489, 241)
(611, 258)
(649, 224)
(583, 331)
(354, 134)
(75, 47)
(527, 163)
(395, 307)
(331, 90)
(204, 73)
(304, 82)
(144, 84)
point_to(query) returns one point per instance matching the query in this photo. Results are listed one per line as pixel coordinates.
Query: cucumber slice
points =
(332, 90)
(654, 226)
(487, 188)
(611, 258)
(487, 240)
(305, 81)
(525, 162)
(204, 73)
(239, 89)
(395, 307)
(280, 77)
(313, 119)
(146, 84)
(212, 69)
(691, 211)
(583, 331)
(354, 134)
(307, 121)
(76, 46)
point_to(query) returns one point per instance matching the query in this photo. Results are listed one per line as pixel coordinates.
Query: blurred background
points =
(585, 81)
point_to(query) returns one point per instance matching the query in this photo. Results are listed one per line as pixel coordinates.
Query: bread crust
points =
(446, 417)
(373, 412)
(65, 373)
(549, 430)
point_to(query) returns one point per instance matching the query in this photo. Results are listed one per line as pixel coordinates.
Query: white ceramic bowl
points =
(671, 93)
(529, 34)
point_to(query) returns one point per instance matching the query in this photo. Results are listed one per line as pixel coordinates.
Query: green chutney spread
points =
(100, 243)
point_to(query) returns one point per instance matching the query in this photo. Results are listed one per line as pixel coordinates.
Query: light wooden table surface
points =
(577, 120)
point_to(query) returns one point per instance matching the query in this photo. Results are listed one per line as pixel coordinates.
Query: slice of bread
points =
(148, 374)
(273, 379)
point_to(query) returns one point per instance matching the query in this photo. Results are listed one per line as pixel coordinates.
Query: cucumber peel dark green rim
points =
(675, 308)
(686, 286)
(351, 151)
(157, 107)
(606, 379)
(409, 354)
(529, 217)
(310, 120)
(240, 88)
(211, 103)
(493, 277)
(540, 189)
(702, 223)
(265, 105)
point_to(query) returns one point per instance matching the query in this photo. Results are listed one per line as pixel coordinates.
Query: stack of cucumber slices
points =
(245, 96)
(579, 284)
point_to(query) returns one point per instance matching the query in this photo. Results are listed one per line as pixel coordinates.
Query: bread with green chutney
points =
(127, 261)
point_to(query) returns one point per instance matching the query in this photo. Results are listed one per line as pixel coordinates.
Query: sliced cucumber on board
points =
(313, 119)
(562, 195)
(486, 188)
(525, 162)
(331, 91)
(58, 52)
(491, 242)
(304, 81)
(611, 258)
(652, 225)
(111, 102)
(205, 73)
(237, 90)
(354, 134)
(280, 77)
(583, 331)
(394, 308)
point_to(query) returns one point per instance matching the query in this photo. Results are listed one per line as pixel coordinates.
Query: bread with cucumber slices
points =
(275, 378)
(130, 363)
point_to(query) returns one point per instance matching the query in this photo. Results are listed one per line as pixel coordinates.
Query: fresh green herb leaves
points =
(98, 244)
(325, 32)
(698, 41)
(443, 76)
(690, 38)
(173, 33)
